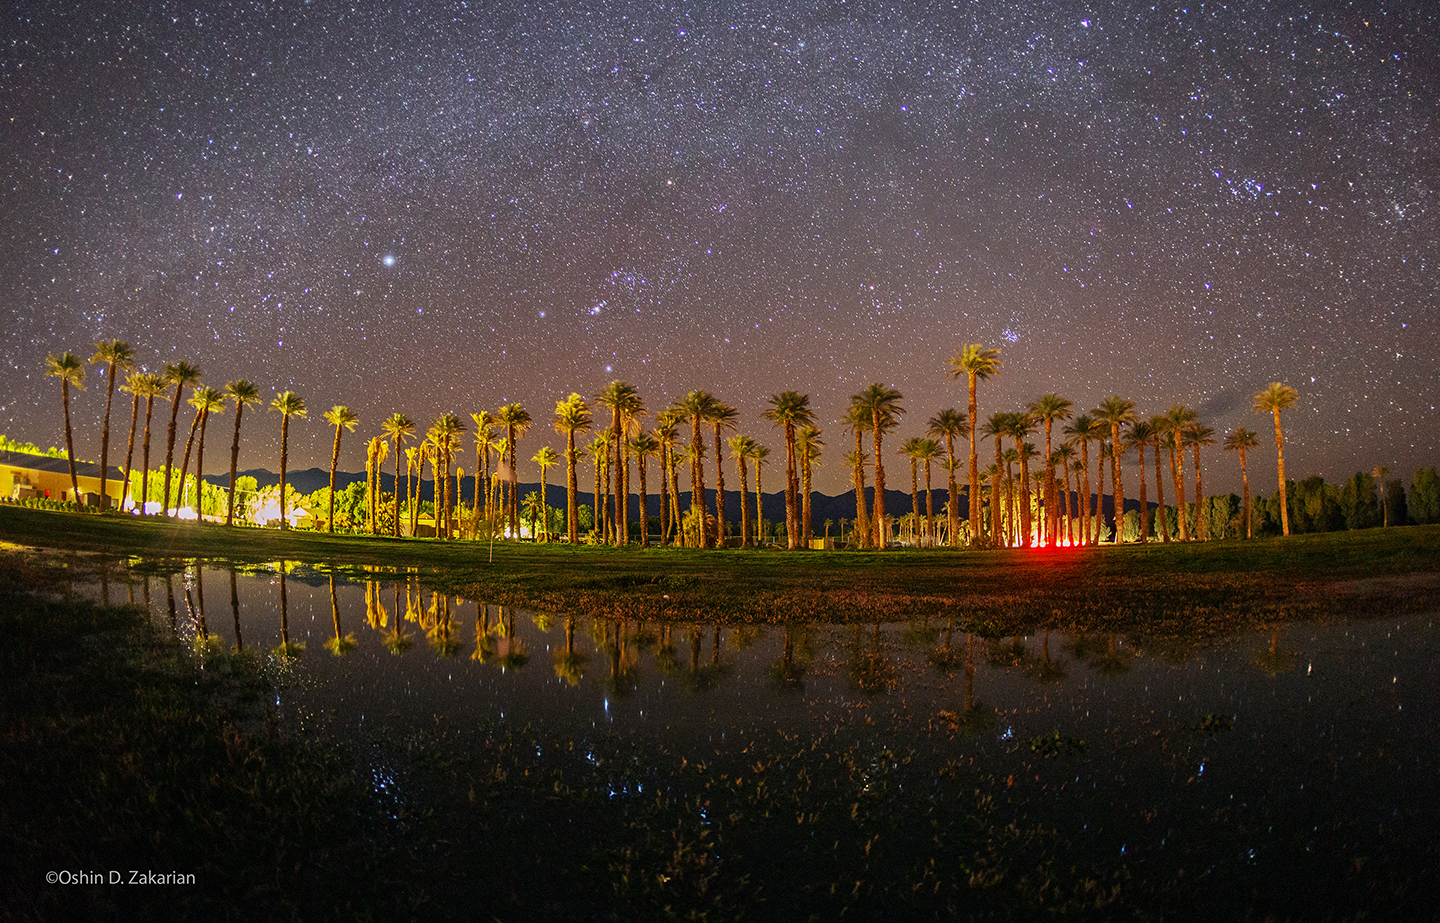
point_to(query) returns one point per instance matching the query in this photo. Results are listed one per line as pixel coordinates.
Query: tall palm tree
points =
(182, 375)
(598, 452)
(760, 454)
(206, 400)
(516, 420)
(695, 407)
(376, 451)
(342, 418)
(1115, 411)
(858, 422)
(623, 400)
(910, 448)
(444, 434)
(546, 459)
(645, 446)
(666, 434)
(288, 404)
(977, 364)
(118, 355)
(148, 386)
(572, 415)
(398, 429)
(1240, 440)
(1176, 419)
(1021, 426)
(883, 406)
(137, 384)
(243, 394)
(1061, 458)
(197, 400)
(1379, 472)
(928, 452)
(1195, 436)
(807, 449)
(1081, 432)
(71, 371)
(742, 449)
(1047, 409)
(1159, 436)
(720, 416)
(996, 427)
(947, 424)
(1140, 437)
(790, 410)
(1275, 398)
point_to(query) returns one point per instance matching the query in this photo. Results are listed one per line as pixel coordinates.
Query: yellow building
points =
(24, 477)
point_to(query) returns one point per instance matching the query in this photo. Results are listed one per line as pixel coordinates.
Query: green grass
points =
(1190, 587)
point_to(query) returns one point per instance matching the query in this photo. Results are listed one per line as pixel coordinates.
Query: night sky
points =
(449, 206)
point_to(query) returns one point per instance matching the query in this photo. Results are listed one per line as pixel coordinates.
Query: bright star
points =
(388, 259)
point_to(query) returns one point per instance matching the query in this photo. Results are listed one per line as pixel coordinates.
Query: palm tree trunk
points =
(284, 450)
(644, 502)
(664, 495)
(395, 526)
(1083, 503)
(879, 488)
(1144, 504)
(997, 508)
(975, 471)
(105, 438)
(185, 462)
(1245, 480)
(334, 463)
(1162, 518)
(807, 519)
(744, 507)
(234, 461)
(1116, 475)
(1177, 472)
(929, 509)
(200, 468)
(719, 492)
(1201, 525)
(759, 512)
(862, 525)
(572, 488)
(169, 448)
(954, 500)
(69, 441)
(130, 452)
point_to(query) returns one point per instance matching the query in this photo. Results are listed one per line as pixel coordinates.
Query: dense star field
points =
(437, 207)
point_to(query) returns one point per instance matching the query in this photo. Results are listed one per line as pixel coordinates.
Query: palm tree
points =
(695, 407)
(182, 375)
(118, 355)
(398, 429)
(546, 459)
(206, 400)
(149, 386)
(571, 416)
(644, 445)
(807, 448)
(1157, 438)
(790, 410)
(1379, 472)
(1176, 419)
(720, 416)
(342, 418)
(1196, 436)
(742, 449)
(666, 436)
(1141, 436)
(1047, 409)
(928, 452)
(995, 428)
(1272, 400)
(1063, 456)
(1239, 440)
(444, 434)
(761, 453)
(1082, 432)
(1116, 411)
(376, 451)
(484, 441)
(197, 401)
(947, 424)
(139, 384)
(71, 371)
(977, 364)
(288, 404)
(244, 394)
(1021, 426)
(516, 420)
(623, 399)
(883, 406)
(858, 422)
(599, 451)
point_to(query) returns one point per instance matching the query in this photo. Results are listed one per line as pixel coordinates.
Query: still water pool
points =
(1299, 763)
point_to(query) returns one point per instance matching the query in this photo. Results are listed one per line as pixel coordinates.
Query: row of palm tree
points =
(875, 411)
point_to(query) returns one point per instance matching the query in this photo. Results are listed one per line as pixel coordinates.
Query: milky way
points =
(443, 207)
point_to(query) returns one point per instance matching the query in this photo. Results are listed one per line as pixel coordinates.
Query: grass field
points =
(1170, 587)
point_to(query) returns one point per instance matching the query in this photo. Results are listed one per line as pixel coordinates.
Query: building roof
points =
(56, 465)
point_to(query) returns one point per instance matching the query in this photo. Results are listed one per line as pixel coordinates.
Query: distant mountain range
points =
(823, 506)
